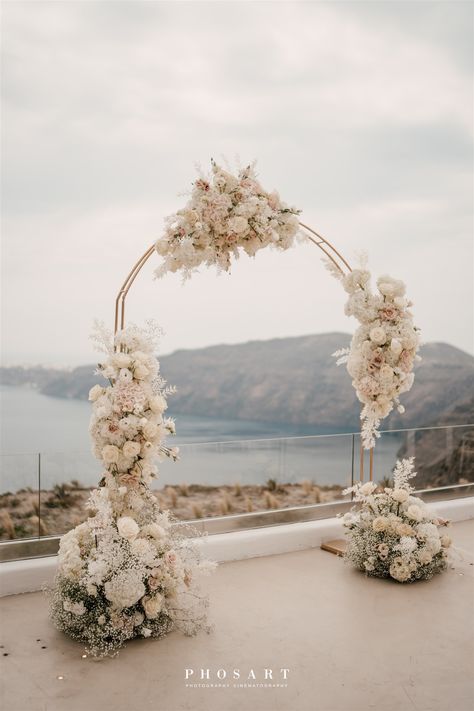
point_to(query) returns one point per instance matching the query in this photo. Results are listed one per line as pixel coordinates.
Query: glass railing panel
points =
(45, 494)
(66, 481)
(259, 475)
(444, 456)
(19, 497)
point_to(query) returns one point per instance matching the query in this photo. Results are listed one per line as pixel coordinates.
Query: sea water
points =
(47, 438)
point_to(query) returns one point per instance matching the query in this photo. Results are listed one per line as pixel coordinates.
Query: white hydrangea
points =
(407, 545)
(125, 588)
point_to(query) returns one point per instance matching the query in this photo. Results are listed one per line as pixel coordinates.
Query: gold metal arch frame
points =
(322, 243)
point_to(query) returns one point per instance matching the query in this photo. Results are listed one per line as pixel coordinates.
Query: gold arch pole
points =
(321, 242)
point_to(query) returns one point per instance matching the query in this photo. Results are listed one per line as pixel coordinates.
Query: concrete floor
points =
(350, 644)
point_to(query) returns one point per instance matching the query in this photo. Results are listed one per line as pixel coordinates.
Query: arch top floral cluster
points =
(224, 213)
(383, 349)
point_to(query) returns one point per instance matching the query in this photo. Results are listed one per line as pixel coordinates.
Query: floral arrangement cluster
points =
(126, 572)
(128, 426)
(225, 212)
(392, 534)
(384, 347)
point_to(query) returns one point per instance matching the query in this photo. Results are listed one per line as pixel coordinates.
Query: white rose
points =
(400, 495)
(149, 471)
(140, 356)
(424, 556)
(386, 373)
(109, 372)
(238, 224)
(150, 430)
(138, 619)
(368, 488)
(152, 605)
(110, 454)
(399, 570)
(409, 341)
(154, 530)
(96, 392)
(380, 524)
(147, 448)
(121, 360)
(127, 527)
(131, 449)
(355, 279)
(125, 375)
(158, 404)
(396, 346)
(378, 336)
(388, 286)
(141, 372)
(146, 632)
(414, 512)
(433, 545)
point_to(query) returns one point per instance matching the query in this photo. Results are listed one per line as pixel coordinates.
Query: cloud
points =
(361, 113)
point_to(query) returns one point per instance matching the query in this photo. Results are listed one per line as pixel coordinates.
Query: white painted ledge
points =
(31, 575)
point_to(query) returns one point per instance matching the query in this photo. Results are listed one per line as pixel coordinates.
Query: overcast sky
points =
(359, 113)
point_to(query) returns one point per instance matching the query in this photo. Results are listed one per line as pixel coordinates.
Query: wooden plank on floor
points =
(336, 546)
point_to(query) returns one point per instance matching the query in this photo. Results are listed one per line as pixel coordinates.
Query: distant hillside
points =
(445, 457)
(289, 380)
(36, 376)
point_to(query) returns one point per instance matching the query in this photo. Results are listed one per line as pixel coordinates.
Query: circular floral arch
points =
(229, 213)
(127, 571)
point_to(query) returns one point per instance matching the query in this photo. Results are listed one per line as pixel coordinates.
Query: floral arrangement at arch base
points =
(126, 572)
(392, 534)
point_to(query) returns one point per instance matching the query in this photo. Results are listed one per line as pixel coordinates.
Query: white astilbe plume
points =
(404, 470)
(342, 355)
(332, 268)
(101, 337)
